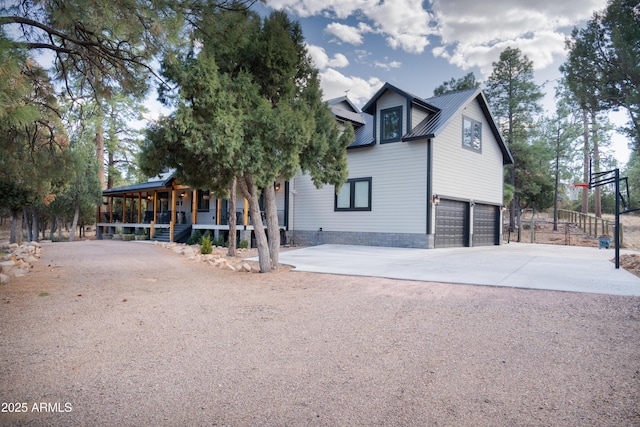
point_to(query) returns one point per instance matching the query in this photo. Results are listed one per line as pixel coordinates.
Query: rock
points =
(8, 264)
(228, 267)
(13, 246)
(18, 272)
(220, 262)
(30, 259)
(245, 267)
(4, 279)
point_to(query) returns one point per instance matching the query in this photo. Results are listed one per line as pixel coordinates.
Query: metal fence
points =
(571, 229)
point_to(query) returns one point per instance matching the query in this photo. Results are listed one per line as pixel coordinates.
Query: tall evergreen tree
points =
(455, 85)
(252, 110)
(33, 144)
(515, 102)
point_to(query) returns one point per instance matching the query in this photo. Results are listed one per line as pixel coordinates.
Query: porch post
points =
(246, 212)
(194, 206)
(124, 208)
(155, 214)
(218, 210)
(110, 209)
(139, 208)
(173, 214)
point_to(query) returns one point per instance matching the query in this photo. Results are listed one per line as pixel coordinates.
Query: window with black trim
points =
(355, 195)
(204, 197)
(391, 124)
(471, 134)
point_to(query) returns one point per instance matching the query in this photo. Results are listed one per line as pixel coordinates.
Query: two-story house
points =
(423, 173)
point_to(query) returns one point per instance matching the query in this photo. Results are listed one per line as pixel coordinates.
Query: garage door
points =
(485, 225)
(452, 224)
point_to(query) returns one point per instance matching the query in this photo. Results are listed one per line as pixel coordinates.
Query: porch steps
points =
(181, 233)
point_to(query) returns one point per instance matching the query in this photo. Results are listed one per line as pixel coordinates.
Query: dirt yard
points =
(128, 333)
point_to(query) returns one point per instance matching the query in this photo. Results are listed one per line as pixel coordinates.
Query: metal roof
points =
(348, 115)
(369, 107)
(364, 134)
(163, 182)
(449, 105)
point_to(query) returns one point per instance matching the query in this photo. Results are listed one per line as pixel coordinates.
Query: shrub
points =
(243, 244)
(205, 245)
(195, 238)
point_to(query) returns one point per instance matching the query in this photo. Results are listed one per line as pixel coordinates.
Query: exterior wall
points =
(208, 217)
(418, 114)
(398, 198)
(465, 174)
(344, 105)
(390, 100)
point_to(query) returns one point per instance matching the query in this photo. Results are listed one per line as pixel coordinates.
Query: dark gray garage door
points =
(485, 225)
(452, 224)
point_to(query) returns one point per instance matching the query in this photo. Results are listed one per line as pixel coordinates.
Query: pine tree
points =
(515, 102)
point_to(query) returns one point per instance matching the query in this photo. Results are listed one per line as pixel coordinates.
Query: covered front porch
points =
(163, 209)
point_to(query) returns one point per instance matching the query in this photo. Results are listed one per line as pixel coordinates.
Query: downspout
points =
(429, 187)
(286, 205)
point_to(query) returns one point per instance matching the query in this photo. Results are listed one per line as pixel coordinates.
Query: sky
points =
(358, 45)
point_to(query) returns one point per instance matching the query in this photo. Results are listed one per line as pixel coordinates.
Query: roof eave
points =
(418, 137)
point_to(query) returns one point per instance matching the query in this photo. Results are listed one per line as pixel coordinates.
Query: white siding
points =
(390, 100)
(418, 114)
(344, 105)
(398, 202)
(463, 173)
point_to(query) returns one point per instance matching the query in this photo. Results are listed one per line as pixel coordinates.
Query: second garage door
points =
(485, 225)
(452, 224)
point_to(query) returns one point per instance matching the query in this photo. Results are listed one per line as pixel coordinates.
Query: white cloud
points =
(474, 33)
(347, 33)
(334, 84)
(405, 24)
(321, 60)
(387, 65)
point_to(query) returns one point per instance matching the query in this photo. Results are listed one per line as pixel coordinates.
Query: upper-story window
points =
(391, 124)
(471, 134)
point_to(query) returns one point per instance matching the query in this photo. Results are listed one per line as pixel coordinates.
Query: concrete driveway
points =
(552, 267)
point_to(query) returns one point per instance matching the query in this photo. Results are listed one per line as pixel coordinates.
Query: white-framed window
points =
(355, 195)
(471, 134)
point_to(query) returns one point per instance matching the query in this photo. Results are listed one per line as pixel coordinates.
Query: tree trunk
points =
(100, 158)
(271, 210)
(586, 163)
(35, 228)
(232, 218)
(557, 180)
(52, 230)
(513, 208)
(248, 188)
(596, 161)
(27, 224)
(15, 226)
(76, 214)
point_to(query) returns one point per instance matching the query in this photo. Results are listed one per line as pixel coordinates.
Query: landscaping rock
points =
(4, 279)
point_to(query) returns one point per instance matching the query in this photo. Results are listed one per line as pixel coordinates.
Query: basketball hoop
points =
(580, 185)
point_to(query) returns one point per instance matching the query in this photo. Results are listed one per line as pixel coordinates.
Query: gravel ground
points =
(126, 333)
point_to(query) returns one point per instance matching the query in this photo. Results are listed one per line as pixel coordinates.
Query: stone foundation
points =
(397, 240)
